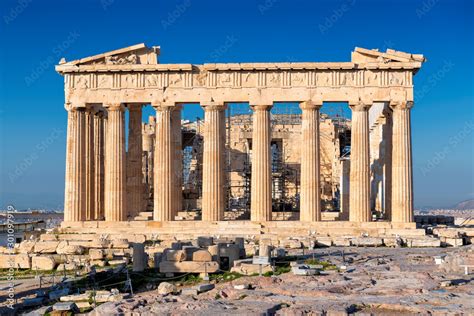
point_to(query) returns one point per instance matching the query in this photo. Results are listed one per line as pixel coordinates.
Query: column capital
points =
(360, 106)
(310, 105)
(401, 105)
(114, 106)
(213, 106)
(261, 107)
(166, 106)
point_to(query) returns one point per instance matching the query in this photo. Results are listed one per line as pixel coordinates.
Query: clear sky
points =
(36, 34)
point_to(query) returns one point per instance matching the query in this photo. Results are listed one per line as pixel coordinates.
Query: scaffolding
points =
(284, 120)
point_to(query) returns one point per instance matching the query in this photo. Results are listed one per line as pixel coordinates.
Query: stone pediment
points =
(132, 55)
(363, 55)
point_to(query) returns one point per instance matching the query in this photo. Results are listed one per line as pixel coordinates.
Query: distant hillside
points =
(465, 205)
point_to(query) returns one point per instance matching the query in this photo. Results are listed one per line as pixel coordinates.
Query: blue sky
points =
(36, 34)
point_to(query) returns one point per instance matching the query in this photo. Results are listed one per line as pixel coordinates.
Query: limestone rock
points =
(66, 267)
(100, 243)
(96, 254)
(64, 248)
(250, 268)
(120, 243)
(205, 241)
(367, 242)
(176, 255)
(22, 261)
(27, 246)
(98, 263)
(423, 242)
(166, 288)
(43, 263)
(188, 266)
(46, 247)
(291, 244)
(202, 256)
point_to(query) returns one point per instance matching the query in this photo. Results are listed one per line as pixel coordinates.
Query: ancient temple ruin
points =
(303, 170)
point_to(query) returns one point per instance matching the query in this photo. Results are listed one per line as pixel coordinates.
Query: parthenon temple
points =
(254, 170)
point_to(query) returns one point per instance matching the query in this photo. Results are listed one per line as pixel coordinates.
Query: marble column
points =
(165, 166)
(148, 134)
(359, 185)
(213, 177)
(134, 161)
(99, 158)
(115, 167)
(310, 201)
(261, 182)
(178, 157)
(402, 168)
(89, 162)
(75, 185)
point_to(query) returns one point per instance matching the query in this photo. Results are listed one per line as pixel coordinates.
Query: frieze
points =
(239, 79)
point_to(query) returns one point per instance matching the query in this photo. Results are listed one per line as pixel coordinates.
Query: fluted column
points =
(75, 189)
(166, 173)
(115, 167)
(310, 201)
(261, 183)
(178, 158)
(99, 158)
(402, 168)
(213, 177)
(134, 161)
(148, 134)
(89, 162)
(359, 199)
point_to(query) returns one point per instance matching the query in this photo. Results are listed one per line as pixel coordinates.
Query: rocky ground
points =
(382, 281)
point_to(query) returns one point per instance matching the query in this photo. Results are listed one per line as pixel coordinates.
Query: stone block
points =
(139, 257)
(202, 256)
(250, 268)
(43, 263)
(323, 241)
(27, 246)
(22, 261)
(291, 244)
(423, 242)
(75, 297)
(189, 250)
(66, 307)
(176, 255)
(304, 270)
(453, 242)
(64, 248)
(231, 251)
(42, 247)
(341, 241)
(214, 251)
(96, 254)
(118, 261)
(100, 243)
(204, 287)
(120, 243)
(188, 266)
(205, 241)
(367, 242)
(66, 266)
(166, 288)
(98, 263)
(392, 241)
